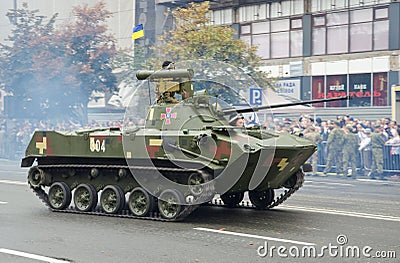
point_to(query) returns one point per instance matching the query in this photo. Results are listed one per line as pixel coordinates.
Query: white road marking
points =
(13, 182)
(3, 203)
(329, 183)
(31, 256)
(252, 236)
(378, 181)
(13, 171)
(320, 186)
(342, 213)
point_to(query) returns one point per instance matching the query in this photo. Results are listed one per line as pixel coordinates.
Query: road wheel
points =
(169, 204)
(262, 199)
(35, 177)
(85, 198)
(112, 199)
(232, 199)
(59, 196)
(196, 181)
(140, 202)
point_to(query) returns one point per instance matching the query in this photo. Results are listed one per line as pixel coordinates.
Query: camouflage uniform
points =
(350, 147)
(315, 138)
(335, 148)
(377, 143)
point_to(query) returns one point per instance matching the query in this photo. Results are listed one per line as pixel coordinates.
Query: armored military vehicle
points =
(188, 153)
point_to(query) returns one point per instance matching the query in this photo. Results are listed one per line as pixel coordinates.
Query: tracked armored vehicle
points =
(187, 154)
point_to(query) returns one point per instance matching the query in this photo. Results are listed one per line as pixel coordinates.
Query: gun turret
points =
(173, 74)
(168, 82)
(254, 109)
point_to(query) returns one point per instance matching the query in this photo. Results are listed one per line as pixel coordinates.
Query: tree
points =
(54, 72)
(89, 53)
(194, 37)
(20, 65)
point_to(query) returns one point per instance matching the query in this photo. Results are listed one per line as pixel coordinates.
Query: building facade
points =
(323, 48)
(317, 48)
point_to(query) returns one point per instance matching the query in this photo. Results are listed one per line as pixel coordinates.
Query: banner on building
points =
(318, 90)
(288, 87)
(380, 89)
(336, 86)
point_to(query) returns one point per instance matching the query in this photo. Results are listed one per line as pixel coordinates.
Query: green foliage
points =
(89, 49)
(30, 40)
(195, 38)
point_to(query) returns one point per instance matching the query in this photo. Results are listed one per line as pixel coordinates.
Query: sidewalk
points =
(395, 178)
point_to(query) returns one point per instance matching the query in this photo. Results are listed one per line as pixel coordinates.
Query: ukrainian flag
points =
(138, 32)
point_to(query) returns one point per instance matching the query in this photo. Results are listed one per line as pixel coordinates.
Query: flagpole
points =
(133, 25)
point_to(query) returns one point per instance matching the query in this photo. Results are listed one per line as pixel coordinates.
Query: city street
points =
(336, 216)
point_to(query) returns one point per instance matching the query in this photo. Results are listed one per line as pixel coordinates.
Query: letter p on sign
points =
(256, 96)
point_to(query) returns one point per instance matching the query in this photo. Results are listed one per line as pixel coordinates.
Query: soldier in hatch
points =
(237, 120)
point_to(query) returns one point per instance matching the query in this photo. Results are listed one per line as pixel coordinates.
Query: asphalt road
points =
(336, 217)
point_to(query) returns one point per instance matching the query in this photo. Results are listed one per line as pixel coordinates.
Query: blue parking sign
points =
(255, 96)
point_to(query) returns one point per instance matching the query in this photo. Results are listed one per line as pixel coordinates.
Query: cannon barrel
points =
(162, 74)
(253, 109)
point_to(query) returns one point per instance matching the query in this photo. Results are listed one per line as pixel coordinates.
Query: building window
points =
(262, 41)
(350, 31)
(280, 45)
(381, 35)
(339, 18)
(360, 90)
(280, 25)
(320, 5)
(280, 38)
(253, 12)
(381, 13)
(222, 17)
(380, 89)
(275, 39)
(337, 39)
(319, 21)
(297, 7)
(296, 43)
(337, 32)
(263, 11)
(336, 86)
(245, 29)
(318, 90)
(319, 41)
(296, 23)
(339, 4)
(360, 16)
(276, 9)
(261, 27)
(360, 37)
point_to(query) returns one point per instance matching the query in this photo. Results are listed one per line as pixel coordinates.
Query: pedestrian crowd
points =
(340, 141)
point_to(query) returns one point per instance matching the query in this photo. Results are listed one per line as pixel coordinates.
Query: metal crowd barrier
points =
(391, 158)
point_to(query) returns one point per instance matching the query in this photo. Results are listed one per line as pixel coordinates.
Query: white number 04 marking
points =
(97, 145)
